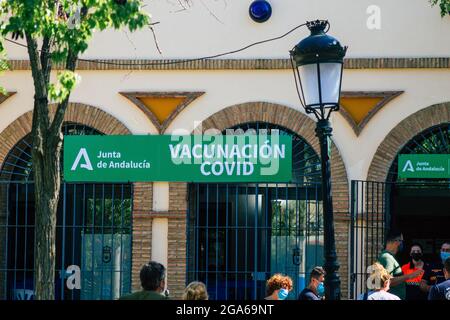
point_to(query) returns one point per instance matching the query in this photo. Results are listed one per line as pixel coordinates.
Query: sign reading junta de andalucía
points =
(190, 158)
(424, 166)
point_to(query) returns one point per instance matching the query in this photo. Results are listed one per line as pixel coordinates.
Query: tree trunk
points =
(46, 153)
(46, 156)
(47, 187)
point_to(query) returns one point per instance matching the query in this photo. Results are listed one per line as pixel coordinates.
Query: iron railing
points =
(369, 222)
(241, 234)
(93, 237)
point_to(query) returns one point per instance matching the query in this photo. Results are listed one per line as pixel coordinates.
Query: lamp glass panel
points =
(309, 79)
(330, 78)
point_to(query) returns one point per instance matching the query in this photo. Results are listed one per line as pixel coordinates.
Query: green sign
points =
(424, 166)
(194, 158)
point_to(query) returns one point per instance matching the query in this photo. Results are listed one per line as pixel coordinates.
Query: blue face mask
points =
(445, 256)
(282, 294)
(321, 289)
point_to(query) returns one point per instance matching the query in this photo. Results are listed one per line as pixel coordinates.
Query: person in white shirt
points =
(379, 281)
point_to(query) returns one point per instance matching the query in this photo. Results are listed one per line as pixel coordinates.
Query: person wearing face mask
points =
(394, 245)
(413, 291)
(434, 272)
(153, 280)
(442, 291)
(278, 287)
(315, 290)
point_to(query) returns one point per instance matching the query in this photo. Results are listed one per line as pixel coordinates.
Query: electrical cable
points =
(178, 61)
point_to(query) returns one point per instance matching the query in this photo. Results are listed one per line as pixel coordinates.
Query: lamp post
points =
(317, 62)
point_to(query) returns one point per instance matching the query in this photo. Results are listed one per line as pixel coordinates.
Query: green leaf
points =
(4, 65)
(444, 5)
(67, 80)
(70, 23)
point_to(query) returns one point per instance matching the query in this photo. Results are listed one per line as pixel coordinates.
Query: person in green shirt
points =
(153, 280)
(394, 244)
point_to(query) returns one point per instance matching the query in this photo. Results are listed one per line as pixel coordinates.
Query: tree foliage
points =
(67, 80)
(68, 25)
(444, 5)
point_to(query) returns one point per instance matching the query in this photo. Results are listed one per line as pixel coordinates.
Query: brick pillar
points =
(3, 233)
(342, 234)
(341, 211)
(142, 230)
(177, 256)
(177, 239)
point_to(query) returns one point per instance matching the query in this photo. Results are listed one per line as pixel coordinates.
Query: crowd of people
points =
(153, 283)
(415, 280)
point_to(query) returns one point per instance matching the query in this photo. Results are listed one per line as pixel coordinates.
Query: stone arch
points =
(300, 124)
(109, 125)
(401, 134)
(76, 112)
(293, 120)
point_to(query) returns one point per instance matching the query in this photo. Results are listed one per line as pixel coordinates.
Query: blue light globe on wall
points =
(260, 10)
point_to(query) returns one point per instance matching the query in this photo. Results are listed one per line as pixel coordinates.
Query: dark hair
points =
(316, 273)
(415, 244)
(447, 265)
(445, 242)
(151, 275)
(393, 235)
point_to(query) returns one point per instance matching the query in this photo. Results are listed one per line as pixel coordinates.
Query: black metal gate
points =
(93, 241)
(241, 234)
(369, 223)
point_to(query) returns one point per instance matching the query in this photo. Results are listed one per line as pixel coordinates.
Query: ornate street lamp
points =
(317, 62)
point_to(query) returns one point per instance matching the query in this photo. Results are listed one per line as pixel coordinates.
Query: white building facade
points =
(396, 87)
